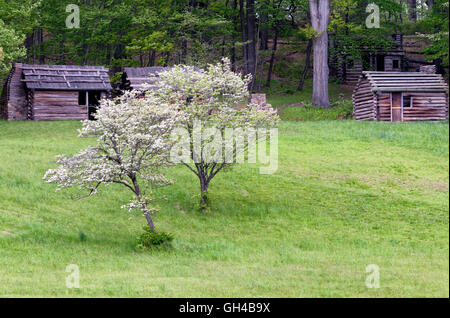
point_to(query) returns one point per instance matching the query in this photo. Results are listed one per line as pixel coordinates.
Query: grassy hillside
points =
(346, 194)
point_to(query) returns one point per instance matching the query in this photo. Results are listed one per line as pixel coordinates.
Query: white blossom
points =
(216, 98)
(132, 143)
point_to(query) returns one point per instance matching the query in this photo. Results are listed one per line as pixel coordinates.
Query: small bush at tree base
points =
(152, 239)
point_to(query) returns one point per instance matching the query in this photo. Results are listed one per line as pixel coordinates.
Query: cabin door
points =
(396, 107)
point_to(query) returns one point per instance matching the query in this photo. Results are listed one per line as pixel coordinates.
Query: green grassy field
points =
(346, 194)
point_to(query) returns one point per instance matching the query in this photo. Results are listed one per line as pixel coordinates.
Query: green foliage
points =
(437, 23)
(116, 78)
(351, 36)
(118, 33)
(154, 239)
(16, 20)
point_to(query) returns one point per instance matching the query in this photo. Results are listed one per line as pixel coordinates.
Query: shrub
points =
(153, 239)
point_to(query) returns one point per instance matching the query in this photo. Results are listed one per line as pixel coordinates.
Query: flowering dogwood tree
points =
(132, 144)
(212, 101)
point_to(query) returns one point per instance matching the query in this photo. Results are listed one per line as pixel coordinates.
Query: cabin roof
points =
(138, 76)
(405, 82)
(66, 77)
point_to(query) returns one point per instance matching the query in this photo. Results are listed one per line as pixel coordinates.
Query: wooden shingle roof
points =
(405, 82)
(66, 77)
(138, 76)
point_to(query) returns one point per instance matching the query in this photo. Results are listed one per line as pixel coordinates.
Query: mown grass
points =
(346, 194)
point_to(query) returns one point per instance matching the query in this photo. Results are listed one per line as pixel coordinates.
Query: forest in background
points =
(118, 33)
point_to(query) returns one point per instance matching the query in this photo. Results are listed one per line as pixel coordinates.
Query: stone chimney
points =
(260, 100)
(430, 69)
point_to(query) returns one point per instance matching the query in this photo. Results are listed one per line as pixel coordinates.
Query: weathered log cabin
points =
(348, 70)
(53, 92)
(136, 77)
(400, 96)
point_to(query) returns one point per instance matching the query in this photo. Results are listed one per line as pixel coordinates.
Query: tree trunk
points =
(412, 5)
(149, 219)
(264, 33)
(320, 16)
(272, 57)
(233, 40)
(40, 45)
(305, 70)
(243, 34)
(138, 193)
(183, 51)
(251, 34)
(151, 61)
(204, 184)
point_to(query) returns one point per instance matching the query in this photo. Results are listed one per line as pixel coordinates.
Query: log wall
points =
(384, 107)
(352, 74)
(4, 101)
(425, 106)
(364, 101)
(58, 105)
(14, 100)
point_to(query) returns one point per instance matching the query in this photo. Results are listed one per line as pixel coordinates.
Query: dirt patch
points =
(6, 233)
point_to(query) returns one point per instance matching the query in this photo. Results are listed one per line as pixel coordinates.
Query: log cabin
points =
(400, 96)
(53, 92)
(348, 69)
(136, 77)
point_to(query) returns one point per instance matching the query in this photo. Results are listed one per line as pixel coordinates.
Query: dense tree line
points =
(118, 33)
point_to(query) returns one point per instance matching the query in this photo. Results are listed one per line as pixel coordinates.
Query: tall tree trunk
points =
(183, 51)
(412, 5)
(320, 16)
(272, 57)
(41, 47)
(151, 59)
(233, 39)
(305, 70)
(243, 34)
(251, 34)
(264, 33)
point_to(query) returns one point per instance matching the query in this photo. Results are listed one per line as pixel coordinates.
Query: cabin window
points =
(82, 98)
(395, 64)
(407, 101)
